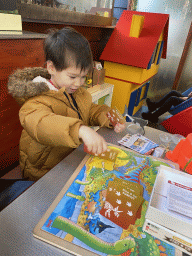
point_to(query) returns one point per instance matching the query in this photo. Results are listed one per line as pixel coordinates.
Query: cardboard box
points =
(98, 76)
(165, 224)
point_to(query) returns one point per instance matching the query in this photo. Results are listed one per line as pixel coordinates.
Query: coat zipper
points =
(72, 105)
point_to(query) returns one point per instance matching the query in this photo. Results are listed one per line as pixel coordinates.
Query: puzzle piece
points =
(110, 154)
(115, 116)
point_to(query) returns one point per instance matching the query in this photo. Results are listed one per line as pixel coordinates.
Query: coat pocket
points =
(38, 153)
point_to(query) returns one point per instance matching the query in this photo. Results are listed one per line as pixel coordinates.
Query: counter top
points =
(21, 35)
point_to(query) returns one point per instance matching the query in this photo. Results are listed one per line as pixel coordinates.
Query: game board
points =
(74, 223)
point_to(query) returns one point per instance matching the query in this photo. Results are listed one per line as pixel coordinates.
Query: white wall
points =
(180, 12)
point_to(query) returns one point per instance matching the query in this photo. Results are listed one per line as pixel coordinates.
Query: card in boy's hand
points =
(110, 154)
(115, 117)
(122, 206)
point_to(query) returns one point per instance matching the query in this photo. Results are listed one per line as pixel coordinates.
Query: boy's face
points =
(71, 78)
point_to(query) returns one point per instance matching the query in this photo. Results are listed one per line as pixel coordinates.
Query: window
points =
(154, 55)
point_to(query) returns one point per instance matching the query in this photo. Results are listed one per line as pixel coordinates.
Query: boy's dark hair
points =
(68, 45)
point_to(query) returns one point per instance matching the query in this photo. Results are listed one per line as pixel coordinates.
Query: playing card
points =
(122, 206)
(134, 187)
(110, 154)
(122, 209)
(115, 117)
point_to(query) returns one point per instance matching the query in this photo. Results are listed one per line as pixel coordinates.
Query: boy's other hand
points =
(119, 127)
(94, 142)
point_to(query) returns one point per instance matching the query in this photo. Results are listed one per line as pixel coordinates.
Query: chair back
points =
(184, 105)
(181, 123)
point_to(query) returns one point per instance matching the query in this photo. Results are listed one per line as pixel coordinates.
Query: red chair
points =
(181, 123)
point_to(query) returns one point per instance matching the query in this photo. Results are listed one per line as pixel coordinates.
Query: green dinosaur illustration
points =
(89, 239)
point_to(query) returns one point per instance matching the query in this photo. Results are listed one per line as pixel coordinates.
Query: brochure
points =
(180, 198)
(138, 143)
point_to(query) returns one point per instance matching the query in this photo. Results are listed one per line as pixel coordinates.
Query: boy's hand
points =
(119, 127)
(94, 142)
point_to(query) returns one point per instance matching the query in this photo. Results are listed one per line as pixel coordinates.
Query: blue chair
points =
(11, 189)
(186, 104)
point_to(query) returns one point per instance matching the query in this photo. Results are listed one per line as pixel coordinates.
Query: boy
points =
(56, 111)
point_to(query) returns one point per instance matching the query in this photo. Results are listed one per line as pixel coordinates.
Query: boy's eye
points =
(72, 77)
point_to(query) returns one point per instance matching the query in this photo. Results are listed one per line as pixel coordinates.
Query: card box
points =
(98, 76)
(167, 225)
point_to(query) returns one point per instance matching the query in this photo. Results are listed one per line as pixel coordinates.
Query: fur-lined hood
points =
(22, 87)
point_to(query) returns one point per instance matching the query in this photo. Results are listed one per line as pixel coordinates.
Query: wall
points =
(180, 12)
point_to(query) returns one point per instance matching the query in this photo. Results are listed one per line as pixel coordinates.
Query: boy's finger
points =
(104, 145)
(100, 149)
(95, 149)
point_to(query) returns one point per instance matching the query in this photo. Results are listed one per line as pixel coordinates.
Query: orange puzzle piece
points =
(182, 154)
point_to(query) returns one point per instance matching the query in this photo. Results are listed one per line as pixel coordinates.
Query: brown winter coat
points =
(50, 120)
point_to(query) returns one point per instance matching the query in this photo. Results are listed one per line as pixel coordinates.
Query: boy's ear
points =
(50, 67)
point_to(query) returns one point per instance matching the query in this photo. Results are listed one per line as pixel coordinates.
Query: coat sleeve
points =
(49, 128)
(98, 115)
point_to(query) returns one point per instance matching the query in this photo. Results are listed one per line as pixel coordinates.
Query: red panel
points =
(16, 53)
(136, 51)
(180, 123)
(20, 53)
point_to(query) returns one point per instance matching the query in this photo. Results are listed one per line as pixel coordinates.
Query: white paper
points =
(179, 198)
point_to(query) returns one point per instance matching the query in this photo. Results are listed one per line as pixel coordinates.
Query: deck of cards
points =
(123, 202)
